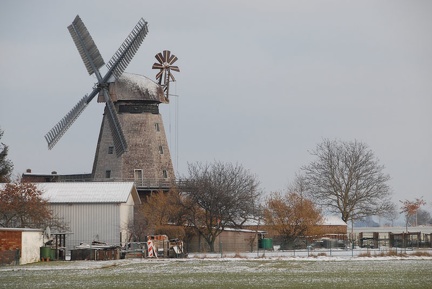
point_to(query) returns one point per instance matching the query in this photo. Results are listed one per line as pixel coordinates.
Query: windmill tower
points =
(147, 160)
(132, 145)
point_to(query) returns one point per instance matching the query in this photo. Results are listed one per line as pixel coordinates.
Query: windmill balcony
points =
(145, 183)
(152, 184)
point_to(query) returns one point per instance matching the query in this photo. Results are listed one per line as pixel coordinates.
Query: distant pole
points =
(330, 247)
(220, 246)
(352, 238)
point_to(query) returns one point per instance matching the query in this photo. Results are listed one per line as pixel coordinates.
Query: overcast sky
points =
(261, 82)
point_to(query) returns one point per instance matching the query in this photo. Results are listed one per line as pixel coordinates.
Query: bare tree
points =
(6, 165)
(422, 217)
(391, 215)
(156, 214)
(299, 185)
(346, 178)
(218, 195)
(139, 228)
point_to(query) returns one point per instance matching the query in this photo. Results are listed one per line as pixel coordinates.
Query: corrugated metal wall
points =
(90, 222)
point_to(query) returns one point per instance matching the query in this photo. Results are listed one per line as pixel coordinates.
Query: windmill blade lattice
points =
(165, 65)
(86, 47)
(127, 50)
(54, 135)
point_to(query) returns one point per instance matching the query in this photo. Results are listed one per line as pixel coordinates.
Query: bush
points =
(394, 253)
(367, 254)
(421, 254)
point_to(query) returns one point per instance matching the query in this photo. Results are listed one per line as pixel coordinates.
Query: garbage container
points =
(53, 254)
(265, 243)
(45, 253)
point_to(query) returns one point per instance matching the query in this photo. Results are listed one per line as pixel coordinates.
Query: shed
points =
(20, 245)
(334, 225)
(94, 211)
(230, 240)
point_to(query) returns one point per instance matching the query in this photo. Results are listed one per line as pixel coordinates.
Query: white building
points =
(94, 211)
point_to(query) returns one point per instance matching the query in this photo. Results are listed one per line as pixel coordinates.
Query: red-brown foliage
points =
(22, 205)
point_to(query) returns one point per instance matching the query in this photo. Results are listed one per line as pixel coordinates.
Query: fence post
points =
(220, 247)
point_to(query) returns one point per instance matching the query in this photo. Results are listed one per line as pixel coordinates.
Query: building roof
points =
(333, 221)
(21, 229)
(88, 192)
(135, 87)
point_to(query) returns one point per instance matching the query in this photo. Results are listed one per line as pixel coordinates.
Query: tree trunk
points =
(211, 245)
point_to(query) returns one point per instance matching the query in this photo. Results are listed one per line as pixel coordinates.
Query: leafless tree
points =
(159, 213)
(6, 165)
(422, 217)
(347, 178)
(391, 215)
(218, 195)
(299, 185)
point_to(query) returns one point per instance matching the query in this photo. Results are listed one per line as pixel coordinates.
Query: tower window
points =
(138, 177)
(107, 174)
(161, 150)
(157, 126)
(110, 150)
(165, 174)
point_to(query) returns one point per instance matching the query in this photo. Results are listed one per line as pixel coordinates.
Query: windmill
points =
(131, 125)
(93, 61)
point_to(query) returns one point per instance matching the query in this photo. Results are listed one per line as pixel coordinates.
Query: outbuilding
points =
(93, 211)
(334, 225)
(20, 245)
(230, 240)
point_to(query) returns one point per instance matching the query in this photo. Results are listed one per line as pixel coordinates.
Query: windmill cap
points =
(135, 87)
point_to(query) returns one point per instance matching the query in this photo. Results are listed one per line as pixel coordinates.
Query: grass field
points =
(223, 273)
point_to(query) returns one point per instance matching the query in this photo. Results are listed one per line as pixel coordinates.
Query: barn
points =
(93, 211)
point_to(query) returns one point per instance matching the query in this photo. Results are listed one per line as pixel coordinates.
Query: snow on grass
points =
(211, 271)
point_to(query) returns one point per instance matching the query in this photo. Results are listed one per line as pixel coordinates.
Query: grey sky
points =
(261, 82)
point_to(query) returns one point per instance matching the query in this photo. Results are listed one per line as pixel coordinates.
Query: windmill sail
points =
(86, 47)
(54, 135)
(127, 50)
(116, 66)
(116, 131)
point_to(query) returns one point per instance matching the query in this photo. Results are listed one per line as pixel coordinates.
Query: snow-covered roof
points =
(135, 87)
(333, 221)
(21, 229)
(88, 192)
(243, 230)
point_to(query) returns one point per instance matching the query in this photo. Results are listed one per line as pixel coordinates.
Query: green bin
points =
(45, 253)
(53, 254)
(265, 243)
